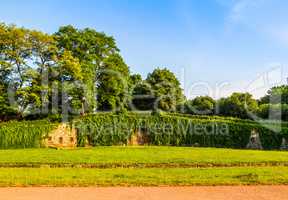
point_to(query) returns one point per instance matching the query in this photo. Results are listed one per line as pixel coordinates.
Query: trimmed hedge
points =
(24, 134)
(215, 117)
(169, 129)
(105, 129)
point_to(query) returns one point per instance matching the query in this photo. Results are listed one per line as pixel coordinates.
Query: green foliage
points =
(30, 63)
(166, 89)
(15, 52)
(75, 71)
(276, 95)
(25, 134)
(135, 79)
(100, 129)
(202, 105)
(233, 119)
(237, 105)
(90, 48)
(167, 129)
(143, 97)
(274, 111)
(113, 83)
(64, 66)
(6, 111)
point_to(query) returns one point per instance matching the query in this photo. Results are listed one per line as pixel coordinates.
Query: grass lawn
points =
(142, 166)
(143, 177)
(107, 157)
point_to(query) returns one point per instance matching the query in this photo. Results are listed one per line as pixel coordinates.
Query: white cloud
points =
(264, 17)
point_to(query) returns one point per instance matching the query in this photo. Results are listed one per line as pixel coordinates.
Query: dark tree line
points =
(78, 71)
(272, 106)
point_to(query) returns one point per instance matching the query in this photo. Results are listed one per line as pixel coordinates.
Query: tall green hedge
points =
(169, 129)
(24, 134)
(233, 119)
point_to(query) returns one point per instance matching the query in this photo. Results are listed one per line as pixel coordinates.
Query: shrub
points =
(176, 130)
(274, 111)
(24, 134)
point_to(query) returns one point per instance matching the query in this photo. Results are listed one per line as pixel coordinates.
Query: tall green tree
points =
(16, 54)
(5, 69)
(90, 48)
(274, 105)
(239, 105)
(30, 60)
(166, 89)
(113, 84)
(276, 95)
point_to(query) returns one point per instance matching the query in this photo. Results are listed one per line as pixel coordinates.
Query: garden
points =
(73, 114)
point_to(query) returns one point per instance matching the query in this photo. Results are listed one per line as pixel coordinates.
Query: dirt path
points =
(149, 193)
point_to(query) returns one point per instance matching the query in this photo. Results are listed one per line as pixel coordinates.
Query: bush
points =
(24, 134)
(175, 129)
(274, 111)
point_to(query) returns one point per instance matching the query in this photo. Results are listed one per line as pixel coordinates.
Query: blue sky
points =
(214, 46)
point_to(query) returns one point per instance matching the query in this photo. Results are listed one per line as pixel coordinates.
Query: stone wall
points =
(62, 137)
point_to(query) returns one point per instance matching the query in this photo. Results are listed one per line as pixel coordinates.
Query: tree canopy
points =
(240, 105)
(201, 105)
(276, 95)
(78, 71)
(166, 89)
(113, 80)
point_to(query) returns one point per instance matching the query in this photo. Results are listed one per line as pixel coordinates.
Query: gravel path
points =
(149, 193)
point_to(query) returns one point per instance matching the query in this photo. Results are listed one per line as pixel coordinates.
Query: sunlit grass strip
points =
(110, 157)
(143, 177)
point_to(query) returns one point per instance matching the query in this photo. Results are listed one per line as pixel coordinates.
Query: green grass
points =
(143, 177)
(142, 166)
(142, 157)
